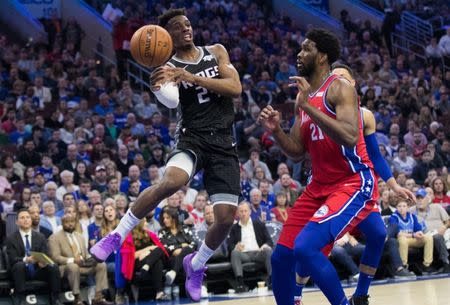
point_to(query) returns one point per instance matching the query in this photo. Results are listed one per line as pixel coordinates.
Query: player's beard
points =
(306, 69)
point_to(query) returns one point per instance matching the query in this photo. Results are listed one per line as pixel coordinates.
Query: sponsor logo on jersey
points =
(208, 58)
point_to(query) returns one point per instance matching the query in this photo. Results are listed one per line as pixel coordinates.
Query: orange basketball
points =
(151, 45)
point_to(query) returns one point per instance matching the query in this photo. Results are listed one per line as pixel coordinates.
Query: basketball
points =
(151, 45)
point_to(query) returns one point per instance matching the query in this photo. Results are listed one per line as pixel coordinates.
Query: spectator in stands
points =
(184, 218)
(81, 173)
(42, 92)
(103, 107)
(345, 251)
(68, 201)
(133, 176)
(258, 211)
(177, 240)
(143, 254)
(50, 194)
(67, 184)
(23, 265)
(48, 219)
(435, 222)
(268, 197)
(420, 172)
(252, 129)
(112, 188)
(137, 129)
(94, 228)
(440, 190)
(34, 211)
(39, 182)
(146, 109)
(35, 198)
(19, 135)
(121, 205)
(8, 203)
(123, 160)
(10, 170)
(28, 157)
(70, 162)
(281, 209)
(68, 250)
(253, 162)
(199, 206)
(100, 183)
(249, 241)
(408, 231)
(404, 163)
(444, 44)
(83, 218)
(286, 183)
(24, 201)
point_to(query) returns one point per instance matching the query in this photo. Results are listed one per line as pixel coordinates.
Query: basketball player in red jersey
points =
(343, 188)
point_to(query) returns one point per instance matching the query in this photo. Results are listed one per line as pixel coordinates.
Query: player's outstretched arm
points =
(379, 163)
(228, 84)
(290, 144)
(342, 96)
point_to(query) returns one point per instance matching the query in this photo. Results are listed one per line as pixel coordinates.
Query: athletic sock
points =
(126, 224)
(202, 256)
(363, 284)
(298, 291)
(283, 274)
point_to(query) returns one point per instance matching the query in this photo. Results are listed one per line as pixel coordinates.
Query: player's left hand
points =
(304, 89)
(404, 193)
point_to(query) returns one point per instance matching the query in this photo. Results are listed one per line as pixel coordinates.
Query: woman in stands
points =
(24, 201)
(440, 193)
(84, 219)
(177, 240)
(9, 170)
(144, 256)
(121, 205)
(281, 210)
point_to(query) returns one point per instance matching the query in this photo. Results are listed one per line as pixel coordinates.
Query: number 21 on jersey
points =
(316, 132)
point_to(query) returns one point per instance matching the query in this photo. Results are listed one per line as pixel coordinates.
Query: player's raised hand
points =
(270, 118)
(304, 89)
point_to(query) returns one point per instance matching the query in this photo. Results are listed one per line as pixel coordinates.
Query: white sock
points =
(127, 223)
(202, 256)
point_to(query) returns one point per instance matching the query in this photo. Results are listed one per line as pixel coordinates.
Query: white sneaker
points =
(355, 277)
(170, 277)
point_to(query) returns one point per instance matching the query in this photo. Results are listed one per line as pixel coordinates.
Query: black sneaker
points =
(359, 300)
(240, 288)
(428, 270)
(404, 273)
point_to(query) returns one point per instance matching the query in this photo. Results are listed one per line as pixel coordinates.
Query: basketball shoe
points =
(359, 300)
(194, 278)
(101, 250)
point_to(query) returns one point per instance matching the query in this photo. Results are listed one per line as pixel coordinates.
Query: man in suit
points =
(35, 221)
(249, 241)
(68, 249)
(23, 265)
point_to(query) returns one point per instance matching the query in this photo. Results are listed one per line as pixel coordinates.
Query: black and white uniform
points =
(205, 130)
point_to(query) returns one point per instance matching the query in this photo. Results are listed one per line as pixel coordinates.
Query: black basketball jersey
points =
(200, 109)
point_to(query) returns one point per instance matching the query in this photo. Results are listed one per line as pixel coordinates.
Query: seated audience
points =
(408, 231)
(23, 265)
(281, 211)
(48, 218)
(35, 221)
(67, 249)
(249, 241)
(345, 251)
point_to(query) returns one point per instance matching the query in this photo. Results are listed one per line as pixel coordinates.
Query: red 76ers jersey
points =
(331, 162)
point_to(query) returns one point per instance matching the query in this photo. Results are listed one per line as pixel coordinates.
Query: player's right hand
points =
(159, 76)
(270, 118)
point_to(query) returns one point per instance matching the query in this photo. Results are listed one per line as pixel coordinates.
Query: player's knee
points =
(379, 235)
(302, 250)
(169, 185)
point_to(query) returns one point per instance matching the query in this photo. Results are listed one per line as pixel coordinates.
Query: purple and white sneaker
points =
(194, 278)
(101, 250)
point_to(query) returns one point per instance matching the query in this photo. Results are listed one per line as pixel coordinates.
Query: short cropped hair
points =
(169, 14)
(326, 42)
(338, 65)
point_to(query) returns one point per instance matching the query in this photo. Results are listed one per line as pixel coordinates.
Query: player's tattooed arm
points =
(291, 144)
(229, 83)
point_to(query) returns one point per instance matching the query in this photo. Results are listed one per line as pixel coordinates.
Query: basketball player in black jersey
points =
(206, 82)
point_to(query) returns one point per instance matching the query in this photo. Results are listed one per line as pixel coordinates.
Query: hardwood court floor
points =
(427, 292)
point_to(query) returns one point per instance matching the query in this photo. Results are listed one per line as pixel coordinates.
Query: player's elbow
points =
(236, 91)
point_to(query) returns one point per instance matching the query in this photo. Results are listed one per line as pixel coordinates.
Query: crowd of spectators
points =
(79, 142)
